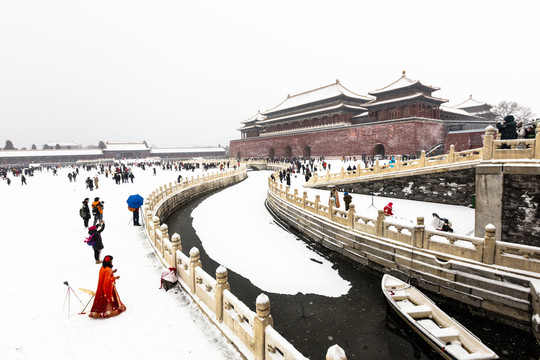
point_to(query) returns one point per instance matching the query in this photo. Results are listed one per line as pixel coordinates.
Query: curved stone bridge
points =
(501, 180)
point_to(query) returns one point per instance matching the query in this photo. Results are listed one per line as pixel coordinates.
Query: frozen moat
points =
(333, 301)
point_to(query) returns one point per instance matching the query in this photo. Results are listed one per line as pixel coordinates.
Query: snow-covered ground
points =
(42, 237)
(43, 246)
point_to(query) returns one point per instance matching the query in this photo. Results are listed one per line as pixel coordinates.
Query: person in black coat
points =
(508, 129)
(95, 234)
(85, 212)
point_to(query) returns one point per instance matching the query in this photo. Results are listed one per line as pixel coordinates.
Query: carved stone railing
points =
(484, 250)
(251, 332)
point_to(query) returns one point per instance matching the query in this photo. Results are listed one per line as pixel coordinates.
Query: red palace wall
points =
(397, 138)
(464, 140)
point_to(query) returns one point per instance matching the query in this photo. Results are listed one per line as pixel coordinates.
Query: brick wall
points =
(404, 137)
(521, 209)
(450, 187)
(464, 140)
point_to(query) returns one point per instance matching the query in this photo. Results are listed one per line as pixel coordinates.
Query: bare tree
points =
(520, 112)
(34, 147)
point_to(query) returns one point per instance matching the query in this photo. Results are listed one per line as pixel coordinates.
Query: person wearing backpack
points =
(95, 240)
(97, 211)
(84, 212)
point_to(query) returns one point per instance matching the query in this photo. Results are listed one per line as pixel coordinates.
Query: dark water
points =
(360, 321)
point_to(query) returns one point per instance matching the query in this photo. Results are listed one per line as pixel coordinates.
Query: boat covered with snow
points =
(445, 334)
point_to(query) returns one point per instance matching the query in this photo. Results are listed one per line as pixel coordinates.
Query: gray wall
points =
(520, 209)
(450, 187)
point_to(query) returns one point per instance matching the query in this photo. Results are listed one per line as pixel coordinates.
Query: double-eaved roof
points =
(320, 95)
(401, 83)
(471, 103)
(404, 89)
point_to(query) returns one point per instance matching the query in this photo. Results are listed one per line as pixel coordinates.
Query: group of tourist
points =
(107, 302)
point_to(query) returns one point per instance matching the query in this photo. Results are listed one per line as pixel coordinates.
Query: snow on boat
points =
(447, 336)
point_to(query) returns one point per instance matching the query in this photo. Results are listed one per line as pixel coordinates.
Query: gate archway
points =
(288, 152)
(307, 153)
(378, 150)
(271, 154)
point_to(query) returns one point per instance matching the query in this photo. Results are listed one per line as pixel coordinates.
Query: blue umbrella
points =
(135, 201)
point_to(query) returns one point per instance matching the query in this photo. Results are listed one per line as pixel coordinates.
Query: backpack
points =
(81, 212)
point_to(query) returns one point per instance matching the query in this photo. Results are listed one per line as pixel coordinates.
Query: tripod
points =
(68, 297)
(372, 205)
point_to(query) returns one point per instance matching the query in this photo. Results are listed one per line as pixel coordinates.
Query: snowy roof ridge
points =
(127, 146)
(455, 110)
(321, 93)
(470, 100)
(255, 117)
(408, 97)
(328, 108)
(402, 82)
(186, 150)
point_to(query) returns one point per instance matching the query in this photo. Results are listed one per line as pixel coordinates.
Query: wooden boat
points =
(445, 334)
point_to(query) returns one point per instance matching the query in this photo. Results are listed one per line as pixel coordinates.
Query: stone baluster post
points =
(379, 231)
(335, 353)
(331, 205)
(317, 201)
(261, 321)
(451, 154)
(145, 211)
(489, 245)
(537, 142)
(350, 216)
(327, 175)
(487, 150)
(304, 199)
(164, 235)
(176, 246)
(399, 163)
(155, 220)
(295, 195)
(422, 160)
(342, 173)
(418, 234)
(376, 168)
(222, 278)
(194, 262)
(281, 191)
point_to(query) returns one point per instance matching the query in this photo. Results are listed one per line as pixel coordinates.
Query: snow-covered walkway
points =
(42, 236)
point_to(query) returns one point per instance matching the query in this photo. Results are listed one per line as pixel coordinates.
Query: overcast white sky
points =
(186, 73)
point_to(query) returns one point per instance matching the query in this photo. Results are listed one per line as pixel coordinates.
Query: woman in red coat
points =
(107, 302)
